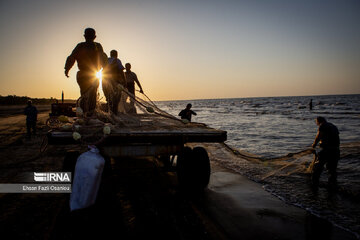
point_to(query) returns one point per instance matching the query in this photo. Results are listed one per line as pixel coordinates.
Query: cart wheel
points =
(201, 165)
(193, 169)
(70, 162)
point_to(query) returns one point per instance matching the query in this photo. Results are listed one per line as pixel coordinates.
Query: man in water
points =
(31, 118)
(131, 78)
(113, 75)
(90, 58)
(187, 112)
(328, 136)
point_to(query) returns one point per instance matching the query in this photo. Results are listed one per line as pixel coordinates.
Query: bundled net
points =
(118, 109)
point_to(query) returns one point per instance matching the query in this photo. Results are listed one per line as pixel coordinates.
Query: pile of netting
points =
(132, 112)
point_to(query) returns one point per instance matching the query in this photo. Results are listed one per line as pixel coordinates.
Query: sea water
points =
(274, 127)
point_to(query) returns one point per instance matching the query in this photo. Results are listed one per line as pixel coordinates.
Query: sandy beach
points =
(138, 199)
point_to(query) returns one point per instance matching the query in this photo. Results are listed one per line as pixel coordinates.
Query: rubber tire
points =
(193, 169)
(201, 165)
(183, 167)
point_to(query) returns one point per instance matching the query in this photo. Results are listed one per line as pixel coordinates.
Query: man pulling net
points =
(112, 76)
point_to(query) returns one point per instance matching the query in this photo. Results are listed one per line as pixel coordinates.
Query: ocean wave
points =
(256, 105)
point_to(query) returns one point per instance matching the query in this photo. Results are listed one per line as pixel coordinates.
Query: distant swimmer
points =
(310, 104)
(328, 136)
(131, 79)
(187, 112)
(31, 118)
(90, 58)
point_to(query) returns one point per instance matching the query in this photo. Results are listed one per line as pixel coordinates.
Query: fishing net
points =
(295, 162)
(118, 109)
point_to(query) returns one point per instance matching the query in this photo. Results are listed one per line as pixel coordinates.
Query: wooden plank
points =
(152, 137)
(140, 150)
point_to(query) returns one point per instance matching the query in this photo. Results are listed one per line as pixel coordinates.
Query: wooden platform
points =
(150, 129)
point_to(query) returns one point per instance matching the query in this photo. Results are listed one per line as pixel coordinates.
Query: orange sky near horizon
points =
(186, 50)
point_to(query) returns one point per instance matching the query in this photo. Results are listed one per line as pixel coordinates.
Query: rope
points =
(163, 114)
(44, 144)
(148, 99)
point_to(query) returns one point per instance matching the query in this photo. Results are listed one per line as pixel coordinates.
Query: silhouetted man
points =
(328, 136)
(31, 118)
(113, 75)
(90, 58)
(131, 78)
(187, 112)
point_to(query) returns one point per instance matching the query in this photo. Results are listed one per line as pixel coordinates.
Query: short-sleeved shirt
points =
(329, 135)
(117, 62)
(130, 81)
(114, 71)
(89, 57)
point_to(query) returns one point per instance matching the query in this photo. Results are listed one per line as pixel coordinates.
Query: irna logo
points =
(52, 176)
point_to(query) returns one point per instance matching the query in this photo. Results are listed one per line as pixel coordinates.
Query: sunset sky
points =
(187, 49)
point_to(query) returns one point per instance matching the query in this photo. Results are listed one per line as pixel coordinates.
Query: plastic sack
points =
(88, 171)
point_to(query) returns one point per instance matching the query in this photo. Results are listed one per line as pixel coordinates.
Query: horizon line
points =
(318, 95)
(197, 99)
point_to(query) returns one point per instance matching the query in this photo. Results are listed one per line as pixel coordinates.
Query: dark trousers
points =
(88, 84)
(330, 157)
(30, 125)
(131, 89)
(112, 95)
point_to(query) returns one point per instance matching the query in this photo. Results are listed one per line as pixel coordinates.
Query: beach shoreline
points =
(231, 207)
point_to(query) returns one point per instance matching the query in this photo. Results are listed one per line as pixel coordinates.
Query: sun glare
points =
(99, 74)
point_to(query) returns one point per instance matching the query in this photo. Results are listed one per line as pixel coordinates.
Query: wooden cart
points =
(164, 142)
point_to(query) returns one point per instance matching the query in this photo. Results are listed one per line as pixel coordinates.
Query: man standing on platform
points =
(113, 75)
(131, 78)
(90, 58)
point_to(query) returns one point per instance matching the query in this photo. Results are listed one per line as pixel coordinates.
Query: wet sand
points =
(246, 211)
(138, 199)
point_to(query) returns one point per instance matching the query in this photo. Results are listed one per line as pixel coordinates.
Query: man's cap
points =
(89, 32)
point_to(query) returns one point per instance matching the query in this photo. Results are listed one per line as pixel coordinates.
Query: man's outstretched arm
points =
(70, 61)
(68, 65)
(138, 83)
(317, 139)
